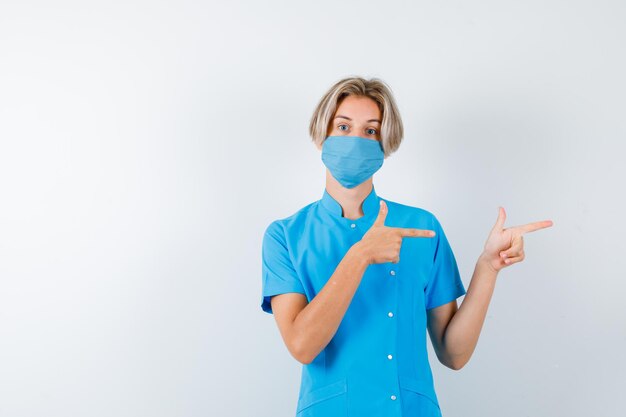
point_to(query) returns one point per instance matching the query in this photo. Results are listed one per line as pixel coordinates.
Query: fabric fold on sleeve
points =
(444, 283)
(278, 273)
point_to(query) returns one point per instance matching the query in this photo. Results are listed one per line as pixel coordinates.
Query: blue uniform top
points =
(376, 364)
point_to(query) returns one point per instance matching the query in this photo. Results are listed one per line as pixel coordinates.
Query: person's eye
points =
(372, 131)
(342, 125)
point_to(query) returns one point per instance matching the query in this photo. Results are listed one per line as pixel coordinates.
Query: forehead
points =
(358, 107)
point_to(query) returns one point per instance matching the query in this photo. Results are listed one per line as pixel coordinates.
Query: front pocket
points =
(420, 399)
(329, 400)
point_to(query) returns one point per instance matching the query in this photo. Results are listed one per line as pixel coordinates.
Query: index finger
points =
(531, 227)
(409, 232)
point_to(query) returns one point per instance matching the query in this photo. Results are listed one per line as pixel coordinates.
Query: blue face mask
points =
(352, 159)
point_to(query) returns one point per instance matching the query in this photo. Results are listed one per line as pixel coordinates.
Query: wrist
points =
(487, 261)
(360, 252)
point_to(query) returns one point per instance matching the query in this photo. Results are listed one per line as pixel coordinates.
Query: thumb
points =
(501, 218)
(382, 214)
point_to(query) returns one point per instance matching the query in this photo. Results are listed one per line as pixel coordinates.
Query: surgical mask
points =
(352, 159)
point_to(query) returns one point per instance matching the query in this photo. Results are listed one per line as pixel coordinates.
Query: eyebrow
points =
(346, 117)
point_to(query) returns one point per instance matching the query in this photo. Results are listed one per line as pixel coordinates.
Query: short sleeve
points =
(278, 273)
(444, 283)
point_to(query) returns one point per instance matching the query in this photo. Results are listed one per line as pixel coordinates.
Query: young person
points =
(355, 280)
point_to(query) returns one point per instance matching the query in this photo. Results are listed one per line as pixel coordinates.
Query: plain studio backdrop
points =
(145, 147)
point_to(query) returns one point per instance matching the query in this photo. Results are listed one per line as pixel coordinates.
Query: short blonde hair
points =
(391, 131)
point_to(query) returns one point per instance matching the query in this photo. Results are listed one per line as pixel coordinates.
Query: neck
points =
(350, 199)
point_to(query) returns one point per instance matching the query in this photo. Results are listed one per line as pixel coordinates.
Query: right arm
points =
(306, 328)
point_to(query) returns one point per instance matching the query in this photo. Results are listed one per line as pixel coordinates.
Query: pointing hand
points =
(505, 246)
(382, 243)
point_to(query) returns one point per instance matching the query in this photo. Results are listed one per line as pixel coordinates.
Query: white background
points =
(145, 147)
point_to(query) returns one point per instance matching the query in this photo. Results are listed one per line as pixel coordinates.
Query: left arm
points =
(454, 331)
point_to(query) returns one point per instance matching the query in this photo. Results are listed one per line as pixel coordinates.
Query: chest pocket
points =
(327, 401)
(416, 261)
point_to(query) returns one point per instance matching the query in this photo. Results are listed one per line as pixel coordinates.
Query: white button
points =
(390, 314)
(393, 397)
(392, 272)
(353, 225)
(389, 357)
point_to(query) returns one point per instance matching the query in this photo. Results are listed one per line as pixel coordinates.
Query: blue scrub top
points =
(376, 364)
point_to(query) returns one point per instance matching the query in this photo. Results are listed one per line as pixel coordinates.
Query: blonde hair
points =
(391, 131)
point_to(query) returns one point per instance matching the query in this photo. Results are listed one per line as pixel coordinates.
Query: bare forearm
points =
(461, 335)
(318, 322)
